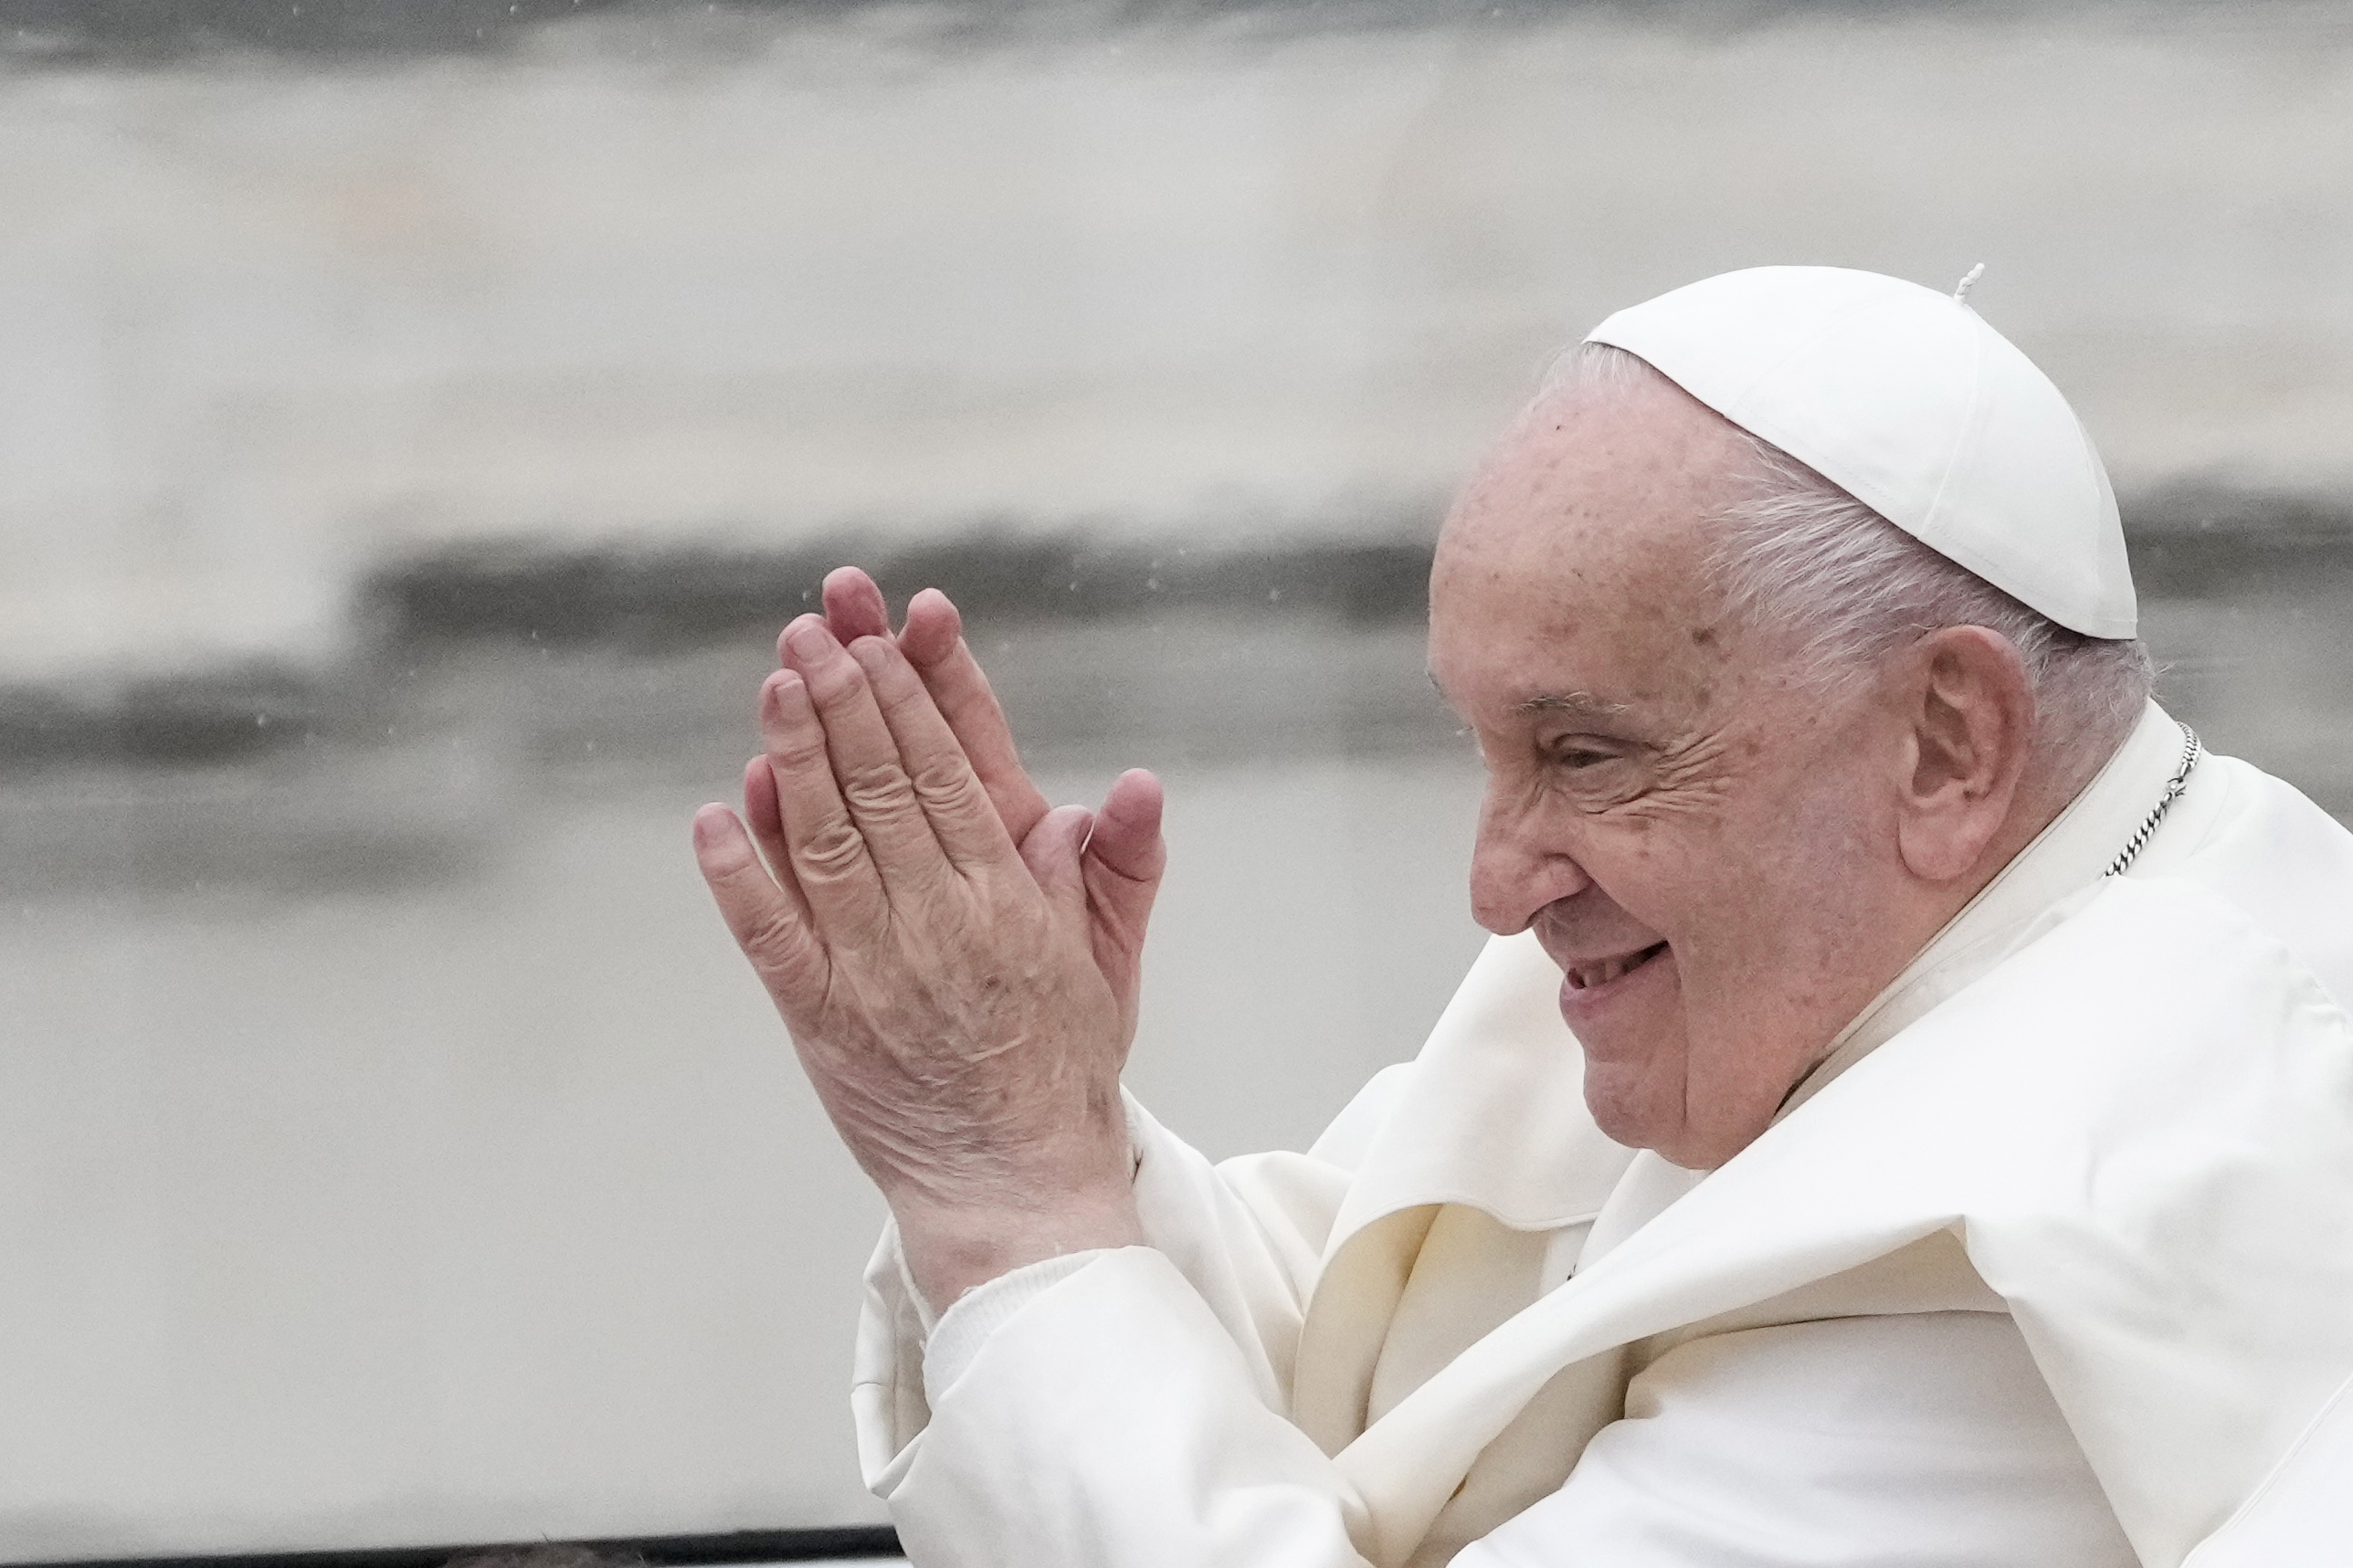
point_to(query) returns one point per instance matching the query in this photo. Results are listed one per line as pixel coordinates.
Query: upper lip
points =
(1599, 969)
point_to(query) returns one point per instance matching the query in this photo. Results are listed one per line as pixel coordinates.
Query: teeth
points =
(1608, 970)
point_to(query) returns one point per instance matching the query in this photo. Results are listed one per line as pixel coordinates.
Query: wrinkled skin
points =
(1727, 865)
(957, 964)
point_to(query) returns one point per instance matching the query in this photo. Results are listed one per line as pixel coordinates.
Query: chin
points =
(1633, 1108)
(1630, 1108)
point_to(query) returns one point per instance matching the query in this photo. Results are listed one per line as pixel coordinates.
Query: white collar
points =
(2075, 851)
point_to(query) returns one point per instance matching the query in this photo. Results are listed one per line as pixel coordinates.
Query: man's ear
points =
(1968, 709)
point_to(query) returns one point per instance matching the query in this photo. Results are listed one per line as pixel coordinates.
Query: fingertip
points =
(804, 639)
(782, 694)
(1127, 829)
(785, 638)
(1135, 799)
(713, 825)
(933, 627)
(854, 604)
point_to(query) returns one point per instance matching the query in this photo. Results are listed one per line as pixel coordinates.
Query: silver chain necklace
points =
(2190, 751)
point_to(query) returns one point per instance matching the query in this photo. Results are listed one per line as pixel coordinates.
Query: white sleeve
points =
(1913, 1440)
(956, 1339)
(1112, 1422)
(1122, 1409)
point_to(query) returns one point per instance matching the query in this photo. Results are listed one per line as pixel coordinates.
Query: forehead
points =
(1576, 561)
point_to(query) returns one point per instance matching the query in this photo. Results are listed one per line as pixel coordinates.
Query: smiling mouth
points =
(1601, 972)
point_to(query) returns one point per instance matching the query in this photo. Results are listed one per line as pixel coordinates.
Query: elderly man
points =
(1904, 1117)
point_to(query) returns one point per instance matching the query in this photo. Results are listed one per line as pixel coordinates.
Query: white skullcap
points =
(1904, 398)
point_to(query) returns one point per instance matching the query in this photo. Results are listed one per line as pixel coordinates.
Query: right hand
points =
(1125, 855)
(962, 1003)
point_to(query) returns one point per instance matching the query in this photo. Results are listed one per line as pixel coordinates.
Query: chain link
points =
(2190, 751)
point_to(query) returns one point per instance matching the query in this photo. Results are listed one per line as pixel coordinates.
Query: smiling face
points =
(1707, 848)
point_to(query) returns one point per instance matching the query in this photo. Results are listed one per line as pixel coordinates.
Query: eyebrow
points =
(1577, 704)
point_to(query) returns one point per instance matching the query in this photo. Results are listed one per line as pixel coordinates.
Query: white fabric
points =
(1896, 1441)
(2135, 1135)
(2080, 843)
(952, 1341)
(1908, 401)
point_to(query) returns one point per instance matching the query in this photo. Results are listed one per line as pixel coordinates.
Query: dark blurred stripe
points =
(655, 1551)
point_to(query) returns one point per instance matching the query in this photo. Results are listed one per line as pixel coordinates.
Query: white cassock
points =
(2050, 1264)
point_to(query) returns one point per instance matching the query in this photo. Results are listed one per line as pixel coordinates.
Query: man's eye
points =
(1583, 757)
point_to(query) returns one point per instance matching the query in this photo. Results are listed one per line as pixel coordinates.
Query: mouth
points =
(1600, 972)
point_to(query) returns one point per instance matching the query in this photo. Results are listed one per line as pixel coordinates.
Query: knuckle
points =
(835, 682)
(833, 852)
(797, 754)
(945, 782)
(773, 942)
(877, 788)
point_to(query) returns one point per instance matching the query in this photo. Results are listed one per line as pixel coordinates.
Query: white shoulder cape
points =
(2138, 1129)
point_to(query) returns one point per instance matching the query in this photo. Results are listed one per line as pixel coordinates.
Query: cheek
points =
(1671, 873)
(1786, 918)
(1733, 893)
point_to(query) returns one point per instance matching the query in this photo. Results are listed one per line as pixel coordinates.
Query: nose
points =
(1516, 869)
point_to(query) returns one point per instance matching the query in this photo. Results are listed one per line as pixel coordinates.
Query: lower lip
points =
(1585, 1005)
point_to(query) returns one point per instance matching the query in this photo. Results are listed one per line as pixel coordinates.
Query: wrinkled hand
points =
(962, 995)
(1124, 856)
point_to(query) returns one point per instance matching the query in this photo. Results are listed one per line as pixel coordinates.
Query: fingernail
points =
(870, 653)
(787, 691)
(809, 640)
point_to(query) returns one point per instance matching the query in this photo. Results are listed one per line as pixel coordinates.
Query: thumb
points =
(1053, 849)
(1127, 856)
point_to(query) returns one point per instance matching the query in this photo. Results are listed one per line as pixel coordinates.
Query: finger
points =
(872, 781)
(934, 642)
(962, 816)
(785, 638)
(760, 815)
(854, 607)
(934, 625)
(825, 853)
(1126, 839)
(1123, 864)
(1053, 851)
(766, 923)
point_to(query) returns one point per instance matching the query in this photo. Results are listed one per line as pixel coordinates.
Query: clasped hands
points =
(957, 964)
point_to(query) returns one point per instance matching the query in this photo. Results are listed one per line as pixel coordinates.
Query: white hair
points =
(1800, 553)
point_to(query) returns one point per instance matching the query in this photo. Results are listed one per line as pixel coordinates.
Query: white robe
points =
(2050, 1263)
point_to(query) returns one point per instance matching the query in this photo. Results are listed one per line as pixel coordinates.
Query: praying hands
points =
(957, 964)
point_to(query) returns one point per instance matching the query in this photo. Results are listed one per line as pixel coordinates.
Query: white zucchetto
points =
(1904, 398)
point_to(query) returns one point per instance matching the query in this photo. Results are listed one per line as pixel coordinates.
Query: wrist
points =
(953, 1248)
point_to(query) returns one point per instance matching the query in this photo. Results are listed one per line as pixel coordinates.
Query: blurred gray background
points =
(417, 416)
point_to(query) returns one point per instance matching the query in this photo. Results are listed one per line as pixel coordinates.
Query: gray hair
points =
(1799, 552)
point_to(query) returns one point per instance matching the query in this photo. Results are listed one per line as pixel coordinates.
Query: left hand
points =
(1123, 856)
(941, 983)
